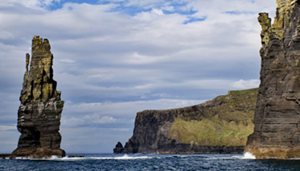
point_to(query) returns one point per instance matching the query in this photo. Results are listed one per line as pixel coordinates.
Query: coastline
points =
(181, 149)
(5, 155)
(188, 149)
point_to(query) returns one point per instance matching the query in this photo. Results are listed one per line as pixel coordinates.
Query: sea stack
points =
(277, 116)
(41, 106)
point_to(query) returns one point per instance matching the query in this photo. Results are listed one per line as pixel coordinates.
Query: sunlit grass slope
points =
(226, 121)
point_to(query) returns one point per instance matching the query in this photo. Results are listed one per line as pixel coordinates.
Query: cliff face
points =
(277, 116)
(41, 106)
(217, 126)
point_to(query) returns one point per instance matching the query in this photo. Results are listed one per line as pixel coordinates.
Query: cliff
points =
(277, 131)
(41, 106)
(217, 126)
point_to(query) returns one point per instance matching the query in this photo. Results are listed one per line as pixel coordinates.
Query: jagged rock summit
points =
(277, 116)
(41, 106)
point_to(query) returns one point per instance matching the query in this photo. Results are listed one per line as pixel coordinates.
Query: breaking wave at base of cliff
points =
(124, 157)
(91, 162)
(74, 158)
(246, 156)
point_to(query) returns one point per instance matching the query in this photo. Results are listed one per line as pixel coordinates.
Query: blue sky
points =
(115, 58)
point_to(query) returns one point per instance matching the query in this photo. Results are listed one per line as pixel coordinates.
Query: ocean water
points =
(142, 162)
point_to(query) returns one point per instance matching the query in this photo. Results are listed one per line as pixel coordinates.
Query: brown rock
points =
(119, 148)
(277, 116)
(41, 106)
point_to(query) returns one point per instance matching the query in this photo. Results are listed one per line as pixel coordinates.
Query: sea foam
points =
(248, 155)
(124, 157)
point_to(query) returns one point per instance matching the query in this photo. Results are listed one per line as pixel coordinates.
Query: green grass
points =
(226, 123)
(212, 132)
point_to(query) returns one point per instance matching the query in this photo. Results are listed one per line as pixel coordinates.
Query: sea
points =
(141, 162)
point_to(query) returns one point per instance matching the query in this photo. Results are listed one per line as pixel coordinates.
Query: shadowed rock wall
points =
(277, 116)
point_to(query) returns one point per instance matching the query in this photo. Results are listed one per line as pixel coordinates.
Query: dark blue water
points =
(150, 162)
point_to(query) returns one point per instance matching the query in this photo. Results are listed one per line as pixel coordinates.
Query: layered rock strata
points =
(41, 106)
(221, 125)
(277, 115)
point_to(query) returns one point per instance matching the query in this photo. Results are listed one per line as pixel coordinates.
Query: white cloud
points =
(68, 61)
(4, 128)
(29, 3)
(109, 111)
(246, 84)
(88, 120)
(137, 58)
(157, 11)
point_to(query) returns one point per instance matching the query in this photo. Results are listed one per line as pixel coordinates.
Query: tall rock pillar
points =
(277, 116)
(40, 110)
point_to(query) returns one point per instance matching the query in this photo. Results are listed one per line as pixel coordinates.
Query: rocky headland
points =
(221, 125)
(277, 115)
(41, 106)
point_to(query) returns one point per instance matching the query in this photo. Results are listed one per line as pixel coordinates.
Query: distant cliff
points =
(217, 126)
(277, 116)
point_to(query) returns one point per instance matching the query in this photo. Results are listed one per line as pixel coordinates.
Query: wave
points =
(248, 156)
(245, 156)
(124, 157)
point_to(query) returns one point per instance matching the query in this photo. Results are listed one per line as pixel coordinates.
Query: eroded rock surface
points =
(119, 148)
(277, 116)
(221, 125)
(41, 106)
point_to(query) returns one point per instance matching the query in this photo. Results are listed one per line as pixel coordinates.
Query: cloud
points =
(139, 59)
(246, 84)
(115, 58)
(4, 128)
(9, 138)
(30, 3)
(106, 123)
(94, 119)
(126, 109)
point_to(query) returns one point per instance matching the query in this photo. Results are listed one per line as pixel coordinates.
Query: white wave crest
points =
(33, 158)
(124, 157)
(248, 155)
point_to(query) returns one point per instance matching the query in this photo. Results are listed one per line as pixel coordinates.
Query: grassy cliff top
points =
(224, 121)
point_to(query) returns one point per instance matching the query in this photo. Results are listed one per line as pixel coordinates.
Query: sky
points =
(114, 58)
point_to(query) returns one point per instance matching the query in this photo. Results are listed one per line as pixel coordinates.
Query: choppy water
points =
(150, 162)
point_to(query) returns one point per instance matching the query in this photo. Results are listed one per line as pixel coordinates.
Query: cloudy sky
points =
(113, 58)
